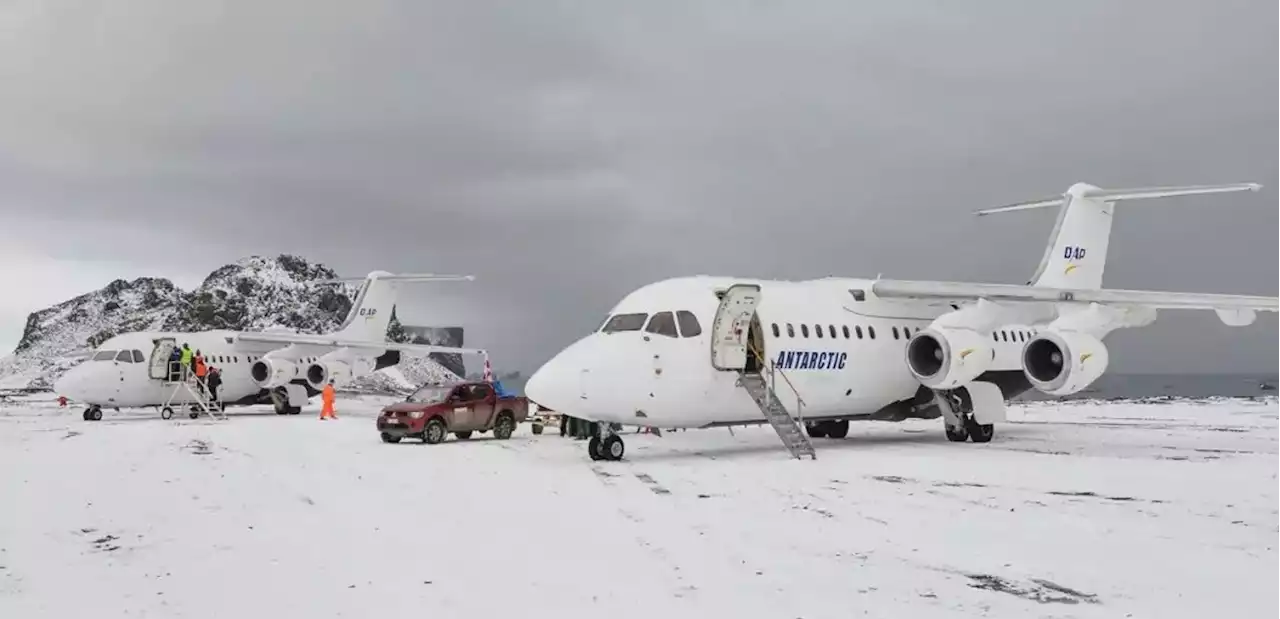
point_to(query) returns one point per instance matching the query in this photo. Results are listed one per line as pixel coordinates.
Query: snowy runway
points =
(1078, 510)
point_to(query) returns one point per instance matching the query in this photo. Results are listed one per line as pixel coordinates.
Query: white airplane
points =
(274, 366)
(827, 351)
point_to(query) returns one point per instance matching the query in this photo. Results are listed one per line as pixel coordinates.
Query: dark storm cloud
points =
(566, 153)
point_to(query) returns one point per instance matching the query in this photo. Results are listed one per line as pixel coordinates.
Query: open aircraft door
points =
(729, 329)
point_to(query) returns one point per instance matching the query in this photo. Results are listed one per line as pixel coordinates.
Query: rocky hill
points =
(254, 293)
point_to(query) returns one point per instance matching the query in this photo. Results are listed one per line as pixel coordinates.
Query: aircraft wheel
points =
(957, 435)
(980, 433)
(816, 430)
(85, 414)
(95, 413)
(593, 448)
(537, 428)
(612, 448)
(838, 429)
(194, 414)
(166, 413)
(295, 410)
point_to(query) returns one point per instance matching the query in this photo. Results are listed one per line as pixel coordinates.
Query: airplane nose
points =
(554, 386)
(66, 384)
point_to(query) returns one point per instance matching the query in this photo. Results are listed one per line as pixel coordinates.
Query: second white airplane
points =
(279, 367)
(704, 351)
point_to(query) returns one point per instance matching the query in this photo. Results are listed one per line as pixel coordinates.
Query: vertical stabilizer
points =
(371, 311)
(1077, 251)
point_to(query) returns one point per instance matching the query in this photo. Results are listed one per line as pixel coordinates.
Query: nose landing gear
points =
(93, 413)
(607, 445)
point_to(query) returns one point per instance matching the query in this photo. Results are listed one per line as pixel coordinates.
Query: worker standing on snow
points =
(326, 396)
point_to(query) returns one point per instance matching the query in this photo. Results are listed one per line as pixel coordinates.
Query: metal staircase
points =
(767, 399)
(185, 393)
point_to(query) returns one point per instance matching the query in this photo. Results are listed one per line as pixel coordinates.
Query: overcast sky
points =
(568, 152)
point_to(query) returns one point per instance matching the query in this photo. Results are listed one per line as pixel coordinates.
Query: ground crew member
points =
(185, 360)
(201, 370)
(175, 365)
(214, 380)
(326, 396)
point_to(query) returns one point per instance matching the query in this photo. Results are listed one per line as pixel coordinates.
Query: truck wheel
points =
(463, 435)
(434, 432)
(387, 438)
(504, 426)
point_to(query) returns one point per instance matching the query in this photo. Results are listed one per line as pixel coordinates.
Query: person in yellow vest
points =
(185, 360)
(326, 397)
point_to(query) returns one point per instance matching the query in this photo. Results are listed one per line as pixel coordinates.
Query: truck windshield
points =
(430, 393)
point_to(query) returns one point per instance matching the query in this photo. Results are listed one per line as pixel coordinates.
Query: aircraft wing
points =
(327, 341)
(1011, 293)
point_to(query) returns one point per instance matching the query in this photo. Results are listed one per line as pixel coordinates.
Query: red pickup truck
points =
(433, 411)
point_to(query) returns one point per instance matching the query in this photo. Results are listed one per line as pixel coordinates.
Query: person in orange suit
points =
(200, 370)
(326, 396)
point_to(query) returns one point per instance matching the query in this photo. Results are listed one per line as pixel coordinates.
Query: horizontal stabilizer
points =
(1116, 195)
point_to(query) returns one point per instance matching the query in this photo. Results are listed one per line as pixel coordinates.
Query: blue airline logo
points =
(808, 360)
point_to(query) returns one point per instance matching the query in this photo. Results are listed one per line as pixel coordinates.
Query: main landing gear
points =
(961, 424)
(93, 413)
(606, 445)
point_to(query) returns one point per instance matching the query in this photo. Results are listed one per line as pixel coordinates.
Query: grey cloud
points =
(567, 152)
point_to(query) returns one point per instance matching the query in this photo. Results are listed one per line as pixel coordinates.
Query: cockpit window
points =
(624, 322)
(663, 323)
(689, 326)
(125, 356)
(104, 355)
(137, 356)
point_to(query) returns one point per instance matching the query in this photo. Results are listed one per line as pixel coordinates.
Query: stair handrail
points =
(773, 368)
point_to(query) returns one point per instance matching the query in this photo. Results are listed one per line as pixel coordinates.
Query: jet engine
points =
(1063, 362)
(271, 372)
(946, 358)
(339, 368)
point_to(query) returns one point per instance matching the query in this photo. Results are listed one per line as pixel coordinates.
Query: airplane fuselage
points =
(835, 357)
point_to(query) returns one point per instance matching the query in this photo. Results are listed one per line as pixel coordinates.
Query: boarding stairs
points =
(766, 397)
(187, 393)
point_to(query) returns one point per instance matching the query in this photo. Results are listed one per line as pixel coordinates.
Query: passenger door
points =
(731, 325)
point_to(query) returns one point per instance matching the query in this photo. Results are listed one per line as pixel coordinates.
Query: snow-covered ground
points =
(1077, 510)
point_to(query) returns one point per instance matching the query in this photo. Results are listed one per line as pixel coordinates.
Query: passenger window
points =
(105, 355)
(845, 329)
(871, 332)
(663, 323)
(791, 331)
(832, 330)
(858, 329)
(804, 330)
(858, 295)
(776, 332)
(625, 322)
(817, 330)
(895, 333)
(137, 356)
(689, 326)
(995, 336)
(125, 356)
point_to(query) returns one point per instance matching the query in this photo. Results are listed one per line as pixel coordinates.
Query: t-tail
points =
(1077, 251)
(371, 312)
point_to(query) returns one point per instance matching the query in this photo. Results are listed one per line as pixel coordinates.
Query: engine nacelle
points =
(340, 370)
(1063, 362)
(270, 372)
(946, 358)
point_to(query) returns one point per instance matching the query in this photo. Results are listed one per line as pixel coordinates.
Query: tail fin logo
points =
(1072, 253)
